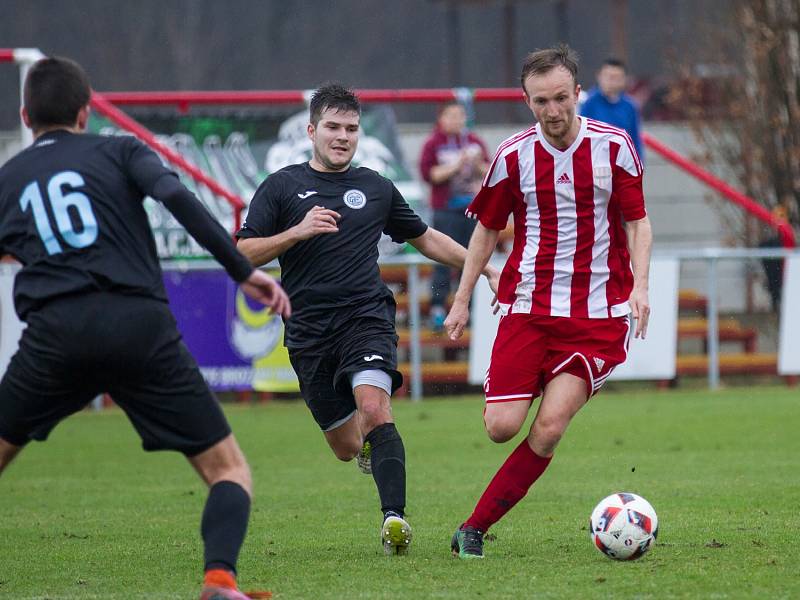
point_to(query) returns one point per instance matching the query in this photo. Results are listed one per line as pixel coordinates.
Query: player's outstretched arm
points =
(640, 241)
(481, 246)
(263, 288)
(443, 249)
(203, 227)
(261, 250)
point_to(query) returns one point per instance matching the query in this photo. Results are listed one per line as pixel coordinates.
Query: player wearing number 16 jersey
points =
(91, 291)
(574, 186)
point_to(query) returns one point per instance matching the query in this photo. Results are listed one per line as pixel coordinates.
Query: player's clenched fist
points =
(457, 319)
(265, 289)
(318, 220)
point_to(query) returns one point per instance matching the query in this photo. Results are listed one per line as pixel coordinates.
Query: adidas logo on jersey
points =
(564, 179)
(599, 363)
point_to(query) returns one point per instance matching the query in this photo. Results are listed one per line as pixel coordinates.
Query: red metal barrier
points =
(111, 112)
(751, 206)
(183, 100)
(114, 114)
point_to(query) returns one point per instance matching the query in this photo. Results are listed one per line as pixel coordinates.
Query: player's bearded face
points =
(335, 138)
(552, 97)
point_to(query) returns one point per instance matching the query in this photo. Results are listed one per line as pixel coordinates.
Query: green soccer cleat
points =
(395, 535)
(467, 542)
(364, 460)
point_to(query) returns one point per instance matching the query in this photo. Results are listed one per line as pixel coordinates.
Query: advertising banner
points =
(238, 344)
(789, 343)
(655, 357)
(10, 326)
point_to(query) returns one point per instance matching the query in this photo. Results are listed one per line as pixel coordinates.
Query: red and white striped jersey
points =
(570, 255)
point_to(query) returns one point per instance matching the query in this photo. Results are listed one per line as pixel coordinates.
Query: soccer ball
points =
(623, 526)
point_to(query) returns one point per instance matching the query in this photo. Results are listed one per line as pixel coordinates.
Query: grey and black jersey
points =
(332, 277)
(71, 212)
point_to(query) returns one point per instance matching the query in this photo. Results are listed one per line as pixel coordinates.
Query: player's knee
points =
(224, 462)
(546, 435)
(373, 414)
(501, 428)
(237, 472)
(7, 453)
(346, 451)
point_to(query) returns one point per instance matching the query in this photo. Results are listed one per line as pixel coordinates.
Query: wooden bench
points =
(399, 273)
(730, 330)
(429, 338)
(729, 364)
(443, 372)
(692, 301)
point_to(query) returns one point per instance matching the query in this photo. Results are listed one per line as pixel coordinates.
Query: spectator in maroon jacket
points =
(453, 161)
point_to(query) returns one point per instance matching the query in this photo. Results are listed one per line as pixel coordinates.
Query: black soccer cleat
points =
(467, 542)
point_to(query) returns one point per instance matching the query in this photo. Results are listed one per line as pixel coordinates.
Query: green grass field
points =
(89, 515)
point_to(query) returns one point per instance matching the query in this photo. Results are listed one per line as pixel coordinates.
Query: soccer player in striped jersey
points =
(576, 274)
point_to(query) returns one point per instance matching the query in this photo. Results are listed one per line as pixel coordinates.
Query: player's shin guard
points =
(224, 525)
(509, 485)
(388, 457)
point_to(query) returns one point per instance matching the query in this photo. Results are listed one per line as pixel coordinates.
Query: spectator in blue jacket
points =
(608, 102)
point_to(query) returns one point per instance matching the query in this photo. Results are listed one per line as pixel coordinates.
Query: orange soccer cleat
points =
(219, 584)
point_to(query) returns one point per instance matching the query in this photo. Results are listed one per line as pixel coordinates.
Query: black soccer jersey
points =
(331, 274)
(71, 212)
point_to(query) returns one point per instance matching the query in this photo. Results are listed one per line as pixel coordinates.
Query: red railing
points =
(183, 100)
(783, 228)
(114, 114)
(117, 116)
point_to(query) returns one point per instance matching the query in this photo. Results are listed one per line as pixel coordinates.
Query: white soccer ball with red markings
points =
(623, 526)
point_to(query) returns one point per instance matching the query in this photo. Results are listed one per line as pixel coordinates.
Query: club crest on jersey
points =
(355, 199)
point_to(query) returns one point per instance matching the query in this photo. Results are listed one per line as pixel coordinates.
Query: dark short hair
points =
(540, 62)
(55, 90)
(613, 61)
(332, 95)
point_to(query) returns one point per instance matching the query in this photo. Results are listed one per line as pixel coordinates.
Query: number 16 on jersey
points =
(60, 203)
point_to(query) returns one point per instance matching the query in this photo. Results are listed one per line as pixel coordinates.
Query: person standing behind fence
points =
(453, 161)
(608, 102)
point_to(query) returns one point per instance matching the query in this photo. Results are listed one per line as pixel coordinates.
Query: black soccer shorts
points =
(77, 347)
(324, 369)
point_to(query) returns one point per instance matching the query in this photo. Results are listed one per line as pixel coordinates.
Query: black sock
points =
(388, 457)
(224, 525)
